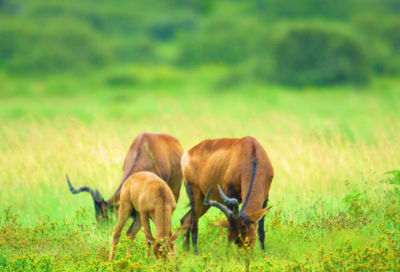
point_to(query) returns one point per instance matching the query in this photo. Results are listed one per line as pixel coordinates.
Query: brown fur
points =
(151, 198)
(158, 153)
(227, 162)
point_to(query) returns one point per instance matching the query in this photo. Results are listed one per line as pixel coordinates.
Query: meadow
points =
(335, 207)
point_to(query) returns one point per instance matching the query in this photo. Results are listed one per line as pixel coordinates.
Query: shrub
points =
(305, 8)
(383, 38)
(166, 27)
(219, 41)
(53, 45)
(318, 54)
(138, 49)
(122, 80)
(200, 6)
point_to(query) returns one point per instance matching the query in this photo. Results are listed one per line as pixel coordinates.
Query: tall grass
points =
(330, 150)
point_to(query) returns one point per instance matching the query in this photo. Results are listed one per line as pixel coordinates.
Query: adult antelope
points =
(228, 170)
(146, 196)
(158, 153)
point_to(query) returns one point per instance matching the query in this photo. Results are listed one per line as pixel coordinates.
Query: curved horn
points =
(216, 204)
(94, 193)
(230, 201)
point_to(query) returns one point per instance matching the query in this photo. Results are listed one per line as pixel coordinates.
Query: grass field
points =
(334, 206)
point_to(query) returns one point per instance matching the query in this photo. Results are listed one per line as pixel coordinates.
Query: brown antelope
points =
(154, 152)
(232, 170)
(146, 196)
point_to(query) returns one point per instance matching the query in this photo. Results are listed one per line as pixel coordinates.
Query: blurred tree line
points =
(301, 42)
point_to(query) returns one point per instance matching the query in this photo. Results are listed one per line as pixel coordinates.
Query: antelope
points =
(146, 196)
(231, 170)
(154, 152)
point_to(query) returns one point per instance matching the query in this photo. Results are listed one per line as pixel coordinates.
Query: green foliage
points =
(357, 206)
(395, 177)
(214, 44)
(320, 54)
(353, 40)
(201, 6)
(306, 8)
(394, 180)
(382, 35)
(72, 245)
(120, 80)
(135, 50)
(330, 210)
(60, 45)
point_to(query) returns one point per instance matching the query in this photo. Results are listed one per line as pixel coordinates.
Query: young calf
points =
(144, 195)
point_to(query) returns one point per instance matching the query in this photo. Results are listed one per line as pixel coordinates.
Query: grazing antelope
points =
(232, 170)
(154, 152)
(146, 196)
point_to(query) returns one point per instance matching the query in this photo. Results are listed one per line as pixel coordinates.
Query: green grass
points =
(330, 149)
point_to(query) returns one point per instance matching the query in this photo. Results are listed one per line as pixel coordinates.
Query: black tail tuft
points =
(253, 175)
(189, 192)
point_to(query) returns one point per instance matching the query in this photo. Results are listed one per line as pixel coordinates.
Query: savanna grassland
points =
(80, 79)
(335, 207)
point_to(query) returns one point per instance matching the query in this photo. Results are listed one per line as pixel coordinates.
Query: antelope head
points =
(241, 227)
(100, 206)
(162, 246)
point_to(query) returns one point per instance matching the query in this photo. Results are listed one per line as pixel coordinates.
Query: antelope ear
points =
(176, 234)
(149, 237)
(256, 216)
(222, 223)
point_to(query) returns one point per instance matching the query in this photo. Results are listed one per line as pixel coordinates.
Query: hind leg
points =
(198, 209)
(124, 213)
(186, 222)
(261, 231)
(133, 230)
(135, 226)
(175, 182)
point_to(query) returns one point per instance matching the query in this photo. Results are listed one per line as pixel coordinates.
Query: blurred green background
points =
(315, 81)
(301, 43)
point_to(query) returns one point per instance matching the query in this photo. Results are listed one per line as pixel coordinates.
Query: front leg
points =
(198, 209)
(145, 219)
(123, 215)
(148, 249)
